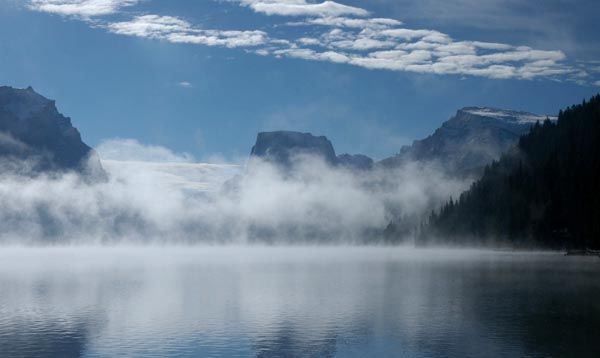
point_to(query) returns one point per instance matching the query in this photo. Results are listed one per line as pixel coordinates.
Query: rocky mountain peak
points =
(471, 139)
(33, 131)
(280, 148)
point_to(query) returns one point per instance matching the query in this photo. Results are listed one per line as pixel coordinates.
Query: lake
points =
(296, 302)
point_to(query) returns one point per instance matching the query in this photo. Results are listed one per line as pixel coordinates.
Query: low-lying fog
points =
(154, 195)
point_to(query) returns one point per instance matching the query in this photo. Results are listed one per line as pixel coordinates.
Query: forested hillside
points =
(544, 192)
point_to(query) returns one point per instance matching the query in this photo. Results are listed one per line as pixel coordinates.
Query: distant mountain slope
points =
(32, 131)
(546, 192)
(467, 142)
(355, 161)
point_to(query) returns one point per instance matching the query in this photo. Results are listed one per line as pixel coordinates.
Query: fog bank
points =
(157, 197)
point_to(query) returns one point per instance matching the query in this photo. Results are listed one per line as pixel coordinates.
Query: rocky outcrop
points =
(283, 147)
(36, 138)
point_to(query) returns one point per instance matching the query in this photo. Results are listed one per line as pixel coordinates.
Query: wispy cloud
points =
(176, 30)
(392, 47)
(82, 8)
(338, 21)
(132, 150)
(185, 84)
(341, 34)
(302, 8)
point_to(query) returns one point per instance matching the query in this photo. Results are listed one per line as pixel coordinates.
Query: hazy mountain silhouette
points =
(469, 141)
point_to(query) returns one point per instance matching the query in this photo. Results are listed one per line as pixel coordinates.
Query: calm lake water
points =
(296, 302)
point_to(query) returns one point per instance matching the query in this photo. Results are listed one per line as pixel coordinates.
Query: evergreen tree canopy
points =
(546, 191)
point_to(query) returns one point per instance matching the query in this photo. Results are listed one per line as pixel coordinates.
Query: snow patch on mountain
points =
(507, 115)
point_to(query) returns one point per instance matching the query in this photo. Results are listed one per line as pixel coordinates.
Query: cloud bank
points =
(339, 34)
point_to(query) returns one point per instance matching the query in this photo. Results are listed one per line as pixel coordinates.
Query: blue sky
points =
(203, 77)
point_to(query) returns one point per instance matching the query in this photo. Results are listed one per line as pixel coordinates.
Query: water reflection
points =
(35, 339)
(295, 302)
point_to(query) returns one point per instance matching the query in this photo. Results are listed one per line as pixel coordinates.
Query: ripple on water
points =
(281, 302)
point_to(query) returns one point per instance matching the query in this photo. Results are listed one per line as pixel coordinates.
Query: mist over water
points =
(156, 261)
(116, 275)
(447, 248)
(160, 197)
(286, 302)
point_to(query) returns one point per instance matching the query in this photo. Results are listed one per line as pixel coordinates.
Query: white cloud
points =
(409, 34)
(342, 34)
(229, 38)
(309, 41)
(82, 8)
(176, 30)
(150, 26)
(185, 84)
(362, 43)
(132, 150)
(393, 47)
(597, 83)
(375, 23)
(308, 54)
(491, 45)
(302, 8)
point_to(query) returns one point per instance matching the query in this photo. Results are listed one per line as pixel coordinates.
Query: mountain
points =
(544, 193)
(355, 161)
(462, 146)
(35, 137)
(467, 142)
(280, 148)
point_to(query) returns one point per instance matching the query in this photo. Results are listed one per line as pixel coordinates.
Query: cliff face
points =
(355, 161)
(280, 147)
(471, 139)
(32, 131)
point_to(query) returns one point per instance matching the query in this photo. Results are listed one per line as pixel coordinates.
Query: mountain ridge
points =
(472, 138)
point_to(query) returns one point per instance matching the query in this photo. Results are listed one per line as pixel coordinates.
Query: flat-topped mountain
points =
(280, 148)
(32, 131)
(471, 139)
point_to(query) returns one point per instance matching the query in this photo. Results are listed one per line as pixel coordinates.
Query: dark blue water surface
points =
(296, 302)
